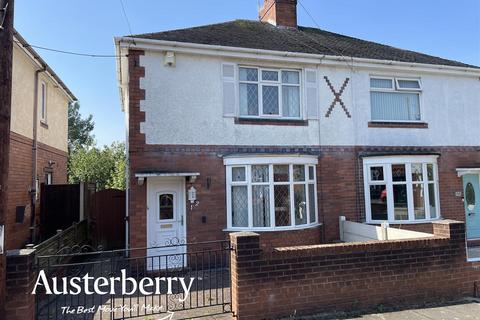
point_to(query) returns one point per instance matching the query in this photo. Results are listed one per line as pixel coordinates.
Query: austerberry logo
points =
(103, 285)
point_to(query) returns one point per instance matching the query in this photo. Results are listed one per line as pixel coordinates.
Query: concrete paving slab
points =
(466, 311)
(462, 311)
(404, 315)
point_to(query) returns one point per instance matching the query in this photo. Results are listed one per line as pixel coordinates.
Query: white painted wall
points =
(184, 106)
(359, 232)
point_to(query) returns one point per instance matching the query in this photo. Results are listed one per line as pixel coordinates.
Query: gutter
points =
(33, 188)
(25, 46)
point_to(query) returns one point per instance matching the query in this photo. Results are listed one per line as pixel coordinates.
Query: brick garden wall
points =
(349, 276)
(21, 276)
(20, 182)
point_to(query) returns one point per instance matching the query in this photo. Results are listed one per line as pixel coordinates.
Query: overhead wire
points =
(322, 44)
(91, 55)
(4, 10)
(128, 21)
(82, 54)
(265, 13)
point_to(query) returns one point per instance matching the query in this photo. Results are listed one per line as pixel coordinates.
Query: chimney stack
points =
(281, 13)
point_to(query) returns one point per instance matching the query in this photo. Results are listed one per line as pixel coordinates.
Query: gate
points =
(205, 266)
(59, 208)
(108, 218)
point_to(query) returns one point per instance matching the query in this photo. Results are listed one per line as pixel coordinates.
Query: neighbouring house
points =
(271, 127)
(38, 140)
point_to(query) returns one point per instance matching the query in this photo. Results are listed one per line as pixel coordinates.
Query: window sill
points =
(278, 229)
(386, 124)
(43, 124)
(273, 122)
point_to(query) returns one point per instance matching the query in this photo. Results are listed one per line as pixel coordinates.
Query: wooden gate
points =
(108, 218)
(59, 208)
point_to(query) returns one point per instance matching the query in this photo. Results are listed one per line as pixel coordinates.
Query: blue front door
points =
(471, 195)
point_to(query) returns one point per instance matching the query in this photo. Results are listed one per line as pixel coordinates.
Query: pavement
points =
(468, 309)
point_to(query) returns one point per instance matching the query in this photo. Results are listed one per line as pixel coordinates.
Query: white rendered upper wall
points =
(184, 105)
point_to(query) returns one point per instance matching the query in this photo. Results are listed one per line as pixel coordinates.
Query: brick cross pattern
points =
(338, 97)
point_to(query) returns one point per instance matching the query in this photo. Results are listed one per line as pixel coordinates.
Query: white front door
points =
(166, 230)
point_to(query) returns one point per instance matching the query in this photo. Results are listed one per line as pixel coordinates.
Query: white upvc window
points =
(395, 99)
(269, 93)
(43, 102)
(401, 189)
(271, 193)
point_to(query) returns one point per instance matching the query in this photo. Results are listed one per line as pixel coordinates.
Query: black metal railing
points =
(206, 265)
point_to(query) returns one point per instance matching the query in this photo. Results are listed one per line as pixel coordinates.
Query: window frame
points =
(386, 162)
(43, 101)
(279, 84)
(396, 88)
(419, 89)
(247, 163)
(174, 206)
(48, 178)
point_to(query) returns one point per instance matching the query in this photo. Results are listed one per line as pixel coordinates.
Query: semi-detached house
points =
(272, 127)
(38, 141)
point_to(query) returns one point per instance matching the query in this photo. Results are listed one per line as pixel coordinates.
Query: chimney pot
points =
(282, 13)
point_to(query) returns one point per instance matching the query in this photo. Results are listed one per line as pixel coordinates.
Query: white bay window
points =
(269, 93)
(269, 193)
(401, 189)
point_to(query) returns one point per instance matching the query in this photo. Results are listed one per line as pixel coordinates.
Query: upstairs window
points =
(395, 99)
(269, 93)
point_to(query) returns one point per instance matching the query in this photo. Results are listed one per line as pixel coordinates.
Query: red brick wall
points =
(340, 188)
(349, 276)
(137, 206)
(20, 182)
(269, 240)
(282, 12)
(339, 185)
(21, 276)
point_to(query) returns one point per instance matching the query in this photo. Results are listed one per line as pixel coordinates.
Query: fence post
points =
(245, 261)
(21, 276)
(384, 227)
(82, 201)
(455, 230)
(341, 226)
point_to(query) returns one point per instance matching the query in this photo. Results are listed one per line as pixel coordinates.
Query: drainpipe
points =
(33, 189)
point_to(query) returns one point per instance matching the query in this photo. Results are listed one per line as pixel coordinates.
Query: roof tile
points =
(258, 35)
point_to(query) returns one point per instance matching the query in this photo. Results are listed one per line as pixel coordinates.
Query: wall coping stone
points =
(242, 234)
(20, 252)
(447, 221)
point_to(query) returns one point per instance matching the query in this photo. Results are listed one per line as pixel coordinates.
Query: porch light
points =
(140, 181)
(192, 179)
(192, 194)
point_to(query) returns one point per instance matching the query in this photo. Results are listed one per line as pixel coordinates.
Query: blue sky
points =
(446, 28)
